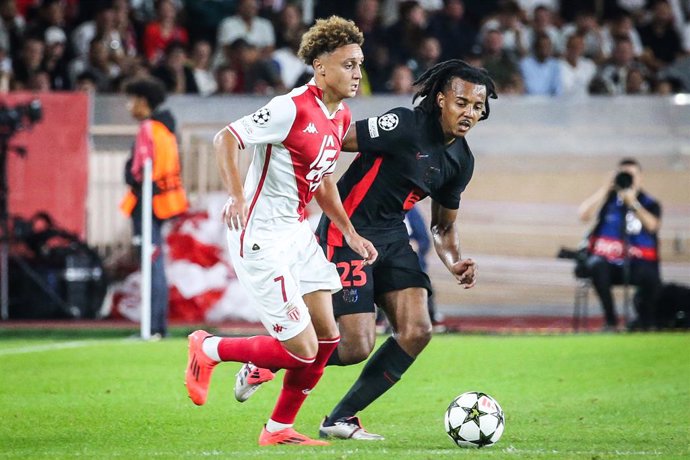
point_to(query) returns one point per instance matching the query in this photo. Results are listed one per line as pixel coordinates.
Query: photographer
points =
(626, 217)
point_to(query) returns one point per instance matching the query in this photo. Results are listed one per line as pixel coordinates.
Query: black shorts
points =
(396, 268)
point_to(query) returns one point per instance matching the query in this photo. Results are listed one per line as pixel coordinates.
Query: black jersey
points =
(403, 159)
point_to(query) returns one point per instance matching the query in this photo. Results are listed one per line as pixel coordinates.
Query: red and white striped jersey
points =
(296, 142)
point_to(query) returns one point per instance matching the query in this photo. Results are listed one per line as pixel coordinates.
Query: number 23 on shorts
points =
(352, 273)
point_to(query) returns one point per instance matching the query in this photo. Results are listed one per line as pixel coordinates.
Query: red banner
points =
(53, 176)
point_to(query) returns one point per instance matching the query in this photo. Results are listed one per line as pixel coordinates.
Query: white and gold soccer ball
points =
(474, 419)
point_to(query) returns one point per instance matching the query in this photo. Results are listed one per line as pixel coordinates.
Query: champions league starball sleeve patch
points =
(261, 116)
(388, 122)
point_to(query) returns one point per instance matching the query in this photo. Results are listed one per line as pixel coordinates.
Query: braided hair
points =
(437, 79)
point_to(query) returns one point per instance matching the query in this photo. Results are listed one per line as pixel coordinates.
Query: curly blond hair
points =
(326, 36)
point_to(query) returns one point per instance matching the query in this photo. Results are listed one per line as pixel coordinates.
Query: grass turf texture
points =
(589, 396)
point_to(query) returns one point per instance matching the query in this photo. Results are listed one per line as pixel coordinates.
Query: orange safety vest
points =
(170, 199)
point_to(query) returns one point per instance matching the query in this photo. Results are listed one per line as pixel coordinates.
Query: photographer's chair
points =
(583, 285)
(581, 304)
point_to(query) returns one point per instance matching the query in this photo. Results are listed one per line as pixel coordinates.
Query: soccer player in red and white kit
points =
(297, 138)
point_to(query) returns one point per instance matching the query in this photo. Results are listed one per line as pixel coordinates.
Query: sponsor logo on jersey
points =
(421, 155)
(278, 328)
(388, 122)
(256, 247)
(323, 162)
(310, 129)
(261, 116)
(306, 391)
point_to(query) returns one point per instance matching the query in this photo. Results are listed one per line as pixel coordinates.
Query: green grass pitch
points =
(581, 397)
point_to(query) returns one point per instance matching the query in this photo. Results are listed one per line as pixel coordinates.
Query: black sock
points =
(382, 371)
(334, 359)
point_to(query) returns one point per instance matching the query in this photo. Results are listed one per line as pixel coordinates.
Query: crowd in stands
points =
(568, 48)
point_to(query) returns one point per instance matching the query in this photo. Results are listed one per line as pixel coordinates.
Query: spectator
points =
(226, 79)
(126, 31)
(428, 55)
(201, 68)
(293, 71)
(678, 73)
(254, 74)
(86, 81)
(289, 27)
(661, 41)
(103, 26)
(576, 70)
(541, 72)
(612, 77)
(98, 63)
(29, 63)
(401, 80)
(51, 13)
(587, 26)
(55, 61)
(162, 31)
(508, 22)
(455, 33)
(378, 62)
(543, 22)
(636, 82)
(624, 241)
(246, 25)
(404, 36)
(501, 64)
(11, 28)
(621, 27)
(173, 71)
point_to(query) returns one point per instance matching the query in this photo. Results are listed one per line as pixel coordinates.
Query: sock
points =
(210, 347)
(297, 384)
(382, 371)
(262, 350)
(272, 426)
(335, 360)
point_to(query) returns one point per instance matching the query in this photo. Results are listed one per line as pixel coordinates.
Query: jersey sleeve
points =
(383, 134)
(448, 195)
(268, 125)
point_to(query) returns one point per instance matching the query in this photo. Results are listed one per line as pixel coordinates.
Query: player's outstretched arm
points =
(227, 149)
(328, 198)
(447, 245)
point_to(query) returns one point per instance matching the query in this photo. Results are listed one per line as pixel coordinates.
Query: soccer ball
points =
(474, 419)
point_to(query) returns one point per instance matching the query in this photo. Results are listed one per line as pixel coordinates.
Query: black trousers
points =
(643, 274)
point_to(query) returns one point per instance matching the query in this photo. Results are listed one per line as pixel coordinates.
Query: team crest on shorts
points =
(350, 295)
(388, 122)
(293, 313)
(261, 116)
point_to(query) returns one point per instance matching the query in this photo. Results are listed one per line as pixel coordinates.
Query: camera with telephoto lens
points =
(623, 180)
(21, 115)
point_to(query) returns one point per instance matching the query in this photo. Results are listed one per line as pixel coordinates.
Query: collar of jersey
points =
(318, 93)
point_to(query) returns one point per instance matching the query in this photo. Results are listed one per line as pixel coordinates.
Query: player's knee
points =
(353, 352)
(418, 336)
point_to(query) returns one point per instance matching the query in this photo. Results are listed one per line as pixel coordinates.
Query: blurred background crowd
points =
(546, 47)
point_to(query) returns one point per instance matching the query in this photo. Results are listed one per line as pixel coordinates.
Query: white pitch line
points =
(60, 346)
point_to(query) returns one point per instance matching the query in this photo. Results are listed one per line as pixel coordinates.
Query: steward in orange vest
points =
(156, 139)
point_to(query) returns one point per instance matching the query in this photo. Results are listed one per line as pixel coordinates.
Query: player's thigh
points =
(357, 294)
(402, 287)
(320, 308)
(275, 293)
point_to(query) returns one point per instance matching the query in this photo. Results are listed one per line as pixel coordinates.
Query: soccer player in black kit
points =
(405, 156)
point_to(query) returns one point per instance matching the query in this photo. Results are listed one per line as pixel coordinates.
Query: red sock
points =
(262, 350)
(299, 382)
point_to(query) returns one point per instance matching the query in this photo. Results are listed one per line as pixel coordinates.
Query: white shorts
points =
(278, 277)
